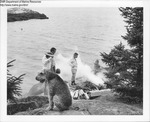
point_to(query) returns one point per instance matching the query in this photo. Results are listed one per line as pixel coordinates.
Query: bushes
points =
(130, 91)
(13, 84)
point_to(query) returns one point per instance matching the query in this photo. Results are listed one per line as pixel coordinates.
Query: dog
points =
(58, 91)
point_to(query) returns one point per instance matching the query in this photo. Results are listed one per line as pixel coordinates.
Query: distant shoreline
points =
(22, 14)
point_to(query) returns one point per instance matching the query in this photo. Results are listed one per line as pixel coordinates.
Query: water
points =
(87, 30)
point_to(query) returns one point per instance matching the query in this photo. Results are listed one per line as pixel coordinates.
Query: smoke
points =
(84, 70)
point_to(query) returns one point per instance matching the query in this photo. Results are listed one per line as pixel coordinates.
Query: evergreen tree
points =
(134, 37)
(125, 73)
(13, 84)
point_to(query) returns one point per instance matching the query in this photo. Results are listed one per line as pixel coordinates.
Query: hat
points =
(49, 54)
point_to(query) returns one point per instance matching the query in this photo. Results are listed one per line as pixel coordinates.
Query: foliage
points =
(13, 84)
(25, 16)
(134, 19)
(125, 74)
(134, 37)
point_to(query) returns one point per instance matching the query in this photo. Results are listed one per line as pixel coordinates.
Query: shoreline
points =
(22, 14)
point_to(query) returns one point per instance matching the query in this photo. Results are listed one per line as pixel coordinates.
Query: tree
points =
(125, 73)
(13, 84)
(134, 36)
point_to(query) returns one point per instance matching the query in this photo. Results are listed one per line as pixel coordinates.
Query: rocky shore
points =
(101, 101)
(21, 14)
(106, 104)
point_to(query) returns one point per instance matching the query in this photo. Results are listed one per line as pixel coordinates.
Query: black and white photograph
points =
(75, 61)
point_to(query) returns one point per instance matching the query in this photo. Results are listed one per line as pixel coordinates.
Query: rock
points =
(68, 112)
(20, 14)
(17, 107)
(27, 103)
(103, 107)
(42, 111)
(106, 104)
(40, 100)
(89, 107)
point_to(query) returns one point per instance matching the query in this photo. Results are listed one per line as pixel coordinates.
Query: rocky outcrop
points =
(106, 104)
(25, 104)
(20, 14)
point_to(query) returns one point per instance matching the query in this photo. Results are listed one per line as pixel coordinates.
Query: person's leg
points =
(73, 77)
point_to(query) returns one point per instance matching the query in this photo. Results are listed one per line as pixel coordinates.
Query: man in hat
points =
(48, 63)
(48, 60)
(74, 67)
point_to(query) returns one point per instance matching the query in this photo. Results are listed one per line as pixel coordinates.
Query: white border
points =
(110, 3)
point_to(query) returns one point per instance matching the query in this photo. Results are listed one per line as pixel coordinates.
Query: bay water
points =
(87, 31)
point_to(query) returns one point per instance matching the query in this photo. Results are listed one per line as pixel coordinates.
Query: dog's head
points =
(45, 75)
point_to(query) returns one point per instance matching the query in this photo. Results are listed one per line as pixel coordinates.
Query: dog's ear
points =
(50, 75)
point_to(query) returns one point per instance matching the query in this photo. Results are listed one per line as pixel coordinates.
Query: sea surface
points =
(88, 31)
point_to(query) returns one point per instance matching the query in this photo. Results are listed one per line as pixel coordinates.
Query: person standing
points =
(74, 66)
(97, 67)
(49, 63)
(48, 60)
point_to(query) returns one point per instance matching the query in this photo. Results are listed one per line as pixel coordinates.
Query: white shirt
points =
(48, 63)
(73, 63)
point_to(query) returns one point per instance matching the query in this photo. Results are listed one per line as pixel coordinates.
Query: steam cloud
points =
(84, 71)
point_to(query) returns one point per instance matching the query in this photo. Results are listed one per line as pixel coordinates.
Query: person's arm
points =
(53, 65)
(45, 60)
(71, 62)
